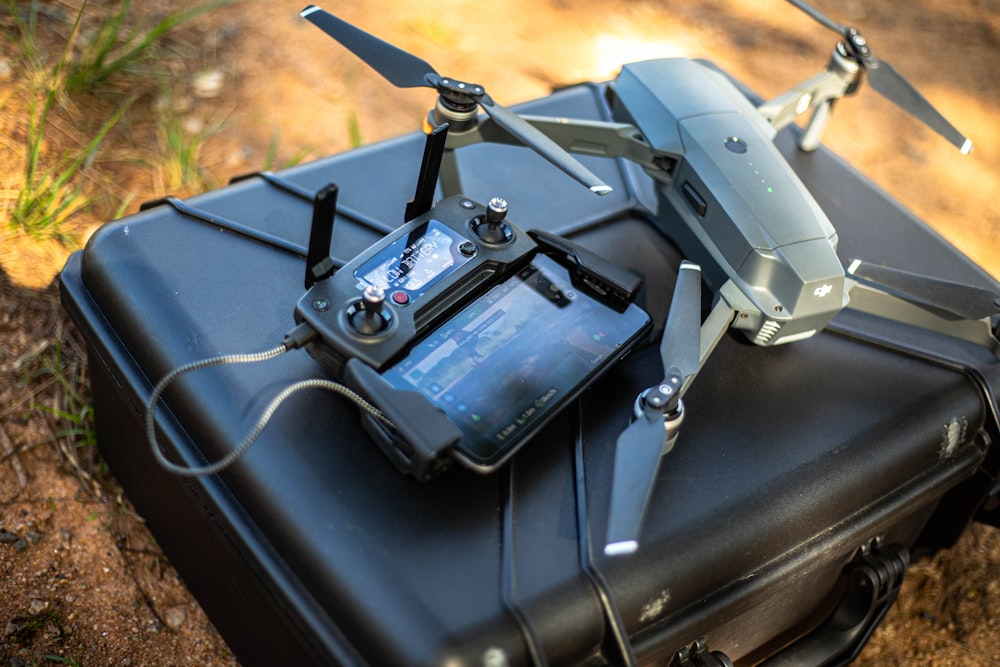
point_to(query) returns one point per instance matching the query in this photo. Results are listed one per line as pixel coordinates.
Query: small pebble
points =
(175, 617)
(7, 537)
(208, 84)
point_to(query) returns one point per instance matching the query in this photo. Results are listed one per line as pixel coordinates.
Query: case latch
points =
(872, 585)
(698, 655)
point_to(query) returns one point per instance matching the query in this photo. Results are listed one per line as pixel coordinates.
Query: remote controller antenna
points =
(319, 263)
(430, 166)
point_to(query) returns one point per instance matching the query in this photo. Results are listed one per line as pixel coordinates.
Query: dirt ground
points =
(84, 582)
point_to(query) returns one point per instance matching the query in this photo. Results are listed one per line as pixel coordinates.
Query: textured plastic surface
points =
(313, 549)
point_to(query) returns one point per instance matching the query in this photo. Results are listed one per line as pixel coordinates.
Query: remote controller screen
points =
(413, 263)
(503, 365)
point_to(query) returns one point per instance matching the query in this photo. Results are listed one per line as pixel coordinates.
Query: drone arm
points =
(492, 129)
(584, 137)
(814, 93)
(874, 301)
(730, 303)
(600, 138)
(597, 138)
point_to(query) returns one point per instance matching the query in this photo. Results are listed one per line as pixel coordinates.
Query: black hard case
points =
(793, 461)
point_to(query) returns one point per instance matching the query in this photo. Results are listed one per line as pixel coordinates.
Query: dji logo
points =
(823, 290)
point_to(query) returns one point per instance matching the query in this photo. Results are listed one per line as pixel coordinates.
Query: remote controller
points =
(379, 304)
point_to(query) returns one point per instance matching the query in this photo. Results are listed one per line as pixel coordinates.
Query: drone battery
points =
(804, 479)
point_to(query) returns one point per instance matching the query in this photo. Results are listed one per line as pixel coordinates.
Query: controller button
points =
(467, 248)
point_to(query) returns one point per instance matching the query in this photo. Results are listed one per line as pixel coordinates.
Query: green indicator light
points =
(770, 189)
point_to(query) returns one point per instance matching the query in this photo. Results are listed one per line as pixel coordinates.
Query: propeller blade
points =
(541, 144)
(820, 17)
(405, 70)
(680, 346)
(889, 83)
(961, 300)
(637, 460)
(641, 446)
(399, 68)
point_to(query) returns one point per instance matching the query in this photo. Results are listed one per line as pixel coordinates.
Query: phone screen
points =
(501, 367)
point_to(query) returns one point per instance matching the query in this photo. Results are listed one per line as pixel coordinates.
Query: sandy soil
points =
(83, 579)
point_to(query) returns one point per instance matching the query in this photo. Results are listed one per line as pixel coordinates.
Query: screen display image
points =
(413, 263)
(503, 365)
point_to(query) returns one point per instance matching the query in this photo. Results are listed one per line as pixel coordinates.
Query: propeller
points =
(405, 70)
(957, 299)
(886, 80)
(658, 415)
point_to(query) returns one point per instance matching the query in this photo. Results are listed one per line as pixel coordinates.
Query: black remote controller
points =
(368, 314)
(378, 305)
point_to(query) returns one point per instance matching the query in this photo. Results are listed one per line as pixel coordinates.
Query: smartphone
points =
(507, 363)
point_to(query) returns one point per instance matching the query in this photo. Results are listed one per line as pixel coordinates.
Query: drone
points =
(749, 228)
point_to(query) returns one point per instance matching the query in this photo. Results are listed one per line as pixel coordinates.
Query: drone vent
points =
(767, 332)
